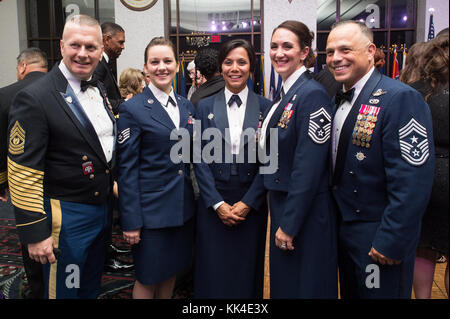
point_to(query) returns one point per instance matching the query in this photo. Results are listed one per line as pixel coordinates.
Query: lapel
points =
(108, 70)
(109, 111)
(252, 111)
(70, 104)
(184, 113)
(220, 114)
(158, 113)
(349, 124)
(285, 100)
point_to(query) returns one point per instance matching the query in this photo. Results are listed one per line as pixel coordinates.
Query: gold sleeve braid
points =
(26, 186)
(3, 177)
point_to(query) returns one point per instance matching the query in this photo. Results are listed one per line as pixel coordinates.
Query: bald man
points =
(60, 158)
(383, 162)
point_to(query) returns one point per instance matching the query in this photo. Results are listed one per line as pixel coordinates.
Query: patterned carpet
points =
(13, 281)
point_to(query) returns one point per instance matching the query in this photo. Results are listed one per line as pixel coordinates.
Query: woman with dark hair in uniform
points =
(303, 248)
(231, 222)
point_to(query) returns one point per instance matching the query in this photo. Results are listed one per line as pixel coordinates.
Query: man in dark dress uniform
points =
(106, 71)
(60, 158)
(383, 163)
(31, 65)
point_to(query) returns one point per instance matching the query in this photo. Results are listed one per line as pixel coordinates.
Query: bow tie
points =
(235, 98)
(344, 96)
(85, 84)
(171, 101)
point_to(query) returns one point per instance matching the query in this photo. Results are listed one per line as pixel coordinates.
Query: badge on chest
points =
(365, 125)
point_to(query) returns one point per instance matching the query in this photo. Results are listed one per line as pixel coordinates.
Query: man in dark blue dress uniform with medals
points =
(383, 162)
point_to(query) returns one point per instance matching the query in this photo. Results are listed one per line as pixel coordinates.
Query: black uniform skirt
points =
(162, 253)
(229, 261)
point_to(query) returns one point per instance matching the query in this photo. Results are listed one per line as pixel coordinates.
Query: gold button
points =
(91, 176)
(96, 194)
(107, 171)
(84, 158)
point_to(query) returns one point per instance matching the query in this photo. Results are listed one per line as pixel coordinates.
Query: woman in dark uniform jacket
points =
(303, 250)
(155, 190)
(231, 223)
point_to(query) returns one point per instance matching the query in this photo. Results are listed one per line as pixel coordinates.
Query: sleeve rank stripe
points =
(21, 178)
(18, 128)
(27, 224)
(24, 168)
(3, 177)
(23, 206)
(32, 198)
(28, 189)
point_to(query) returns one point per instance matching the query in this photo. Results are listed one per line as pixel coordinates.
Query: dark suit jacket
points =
(6, 96)
(326, 78)
(212, 113)
(104, 74)
(154, 191)
(390, 181)
(210, 87)
(303, 150)
(54, 152)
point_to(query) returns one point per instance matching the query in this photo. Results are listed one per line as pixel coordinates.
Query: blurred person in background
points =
(433, 242)
(131, 83)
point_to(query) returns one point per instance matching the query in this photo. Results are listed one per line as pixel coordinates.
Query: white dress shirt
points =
(342, 113)
(106, 57)
(285, 87)
(163, 98)
(236, 116)
(92, 103)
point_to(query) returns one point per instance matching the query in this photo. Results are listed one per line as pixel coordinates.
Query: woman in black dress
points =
(434, 236)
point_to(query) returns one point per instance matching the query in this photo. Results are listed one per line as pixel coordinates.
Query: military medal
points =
(258, 131)
(360, 156)
(191, 120)
(88, 168)
(287, 114)
(365, 125)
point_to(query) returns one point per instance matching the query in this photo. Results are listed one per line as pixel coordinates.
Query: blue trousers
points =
(362, 278)
(79, 232)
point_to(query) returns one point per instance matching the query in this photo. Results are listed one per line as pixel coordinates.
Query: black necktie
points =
(85, 84)
(170, 100)
(235, 98)
(344, 96)
(279, 96)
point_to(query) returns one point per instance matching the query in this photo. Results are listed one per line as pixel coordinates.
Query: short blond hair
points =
(130, 82)
(83, 20)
